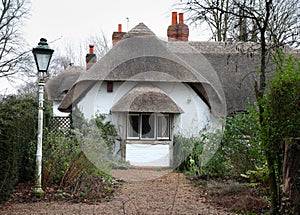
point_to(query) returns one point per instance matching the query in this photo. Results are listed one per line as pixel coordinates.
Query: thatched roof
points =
(222, 74)
(237, 66)
(146, 98)
(144, 57)
(58, 86)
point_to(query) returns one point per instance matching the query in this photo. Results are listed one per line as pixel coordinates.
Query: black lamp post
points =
(42, 56)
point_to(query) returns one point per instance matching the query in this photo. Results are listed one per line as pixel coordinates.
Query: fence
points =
(60, 124)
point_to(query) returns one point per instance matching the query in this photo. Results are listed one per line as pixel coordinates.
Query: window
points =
(133, 126)
(148, 126)
(163, 126)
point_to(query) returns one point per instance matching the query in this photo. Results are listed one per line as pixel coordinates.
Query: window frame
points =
(156, 126)
(127, 126)
(168, 126)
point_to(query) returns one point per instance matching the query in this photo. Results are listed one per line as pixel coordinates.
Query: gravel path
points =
(165, 193)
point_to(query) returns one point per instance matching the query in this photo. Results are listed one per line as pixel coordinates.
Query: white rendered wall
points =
(148, 155)
(195, 118)
(87, 103)
(196, 114)
(55, 110)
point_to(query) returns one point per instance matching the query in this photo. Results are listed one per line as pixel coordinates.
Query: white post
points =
(38, 191)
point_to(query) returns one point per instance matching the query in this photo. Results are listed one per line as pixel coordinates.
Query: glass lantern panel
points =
(43, 61)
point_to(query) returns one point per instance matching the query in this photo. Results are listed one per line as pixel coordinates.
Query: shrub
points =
(18, 118)
(229, 153)
(241, 144)
(199, 155)
(78, 164)
(59, 152)
(280, 118)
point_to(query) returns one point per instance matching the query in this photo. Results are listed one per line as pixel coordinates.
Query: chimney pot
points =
(178, 31)
(117, 35)
(181, 18)
(119, 27)
(91, 48)
(174, 18)
(90, 57)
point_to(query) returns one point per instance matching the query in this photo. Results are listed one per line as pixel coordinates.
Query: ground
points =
(142, 192)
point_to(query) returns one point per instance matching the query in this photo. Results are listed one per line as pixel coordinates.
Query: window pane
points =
(148, 126)
(133, 126)
(163, 126)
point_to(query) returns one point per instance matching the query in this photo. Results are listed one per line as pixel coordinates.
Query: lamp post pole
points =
(42, 55)
(37, 190)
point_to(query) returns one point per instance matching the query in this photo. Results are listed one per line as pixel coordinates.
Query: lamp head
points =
(42, 55)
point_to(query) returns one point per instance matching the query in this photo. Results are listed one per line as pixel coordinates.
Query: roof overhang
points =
(146, 98)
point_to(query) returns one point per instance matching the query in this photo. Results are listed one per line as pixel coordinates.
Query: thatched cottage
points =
(152, 90)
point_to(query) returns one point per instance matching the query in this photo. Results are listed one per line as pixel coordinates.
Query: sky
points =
(71, 19)
(61, 21)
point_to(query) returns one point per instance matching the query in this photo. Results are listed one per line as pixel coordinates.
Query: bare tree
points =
(200, 12)
(101, 44)
(275, 23)
(58, 63)
(12, 55)
(284, 24)
(242, 20)
(71, 53)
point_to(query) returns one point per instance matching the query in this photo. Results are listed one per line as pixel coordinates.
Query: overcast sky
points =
(63, 20)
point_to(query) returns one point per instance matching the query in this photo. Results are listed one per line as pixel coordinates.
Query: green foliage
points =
(229, 153)
(257, 176)
(182, 148)
(200, 155)
(58, 154)
(212, 162)
(97, 138)
(63, 162)
(218, 166)
(281, 105)
(241, 144)
(93, 145)
(18, 118)
(107, 131)
(99, 125)
(280, 117)
(79, 164)
(65, 166)
(282, 101)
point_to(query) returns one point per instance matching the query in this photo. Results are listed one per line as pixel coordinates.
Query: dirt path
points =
(168, 193)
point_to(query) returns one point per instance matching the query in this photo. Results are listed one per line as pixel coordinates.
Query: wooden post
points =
(291, 177)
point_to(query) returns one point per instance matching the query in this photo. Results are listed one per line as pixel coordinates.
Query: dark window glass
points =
(148, 126)
(133, 126)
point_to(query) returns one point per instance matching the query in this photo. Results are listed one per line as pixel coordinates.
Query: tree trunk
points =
(291, 177)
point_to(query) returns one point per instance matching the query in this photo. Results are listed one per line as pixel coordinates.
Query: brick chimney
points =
(90, 58)
(117, 36)
(178, 31)
(173, 28)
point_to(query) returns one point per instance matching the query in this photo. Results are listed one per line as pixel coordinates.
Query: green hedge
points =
(18, 123)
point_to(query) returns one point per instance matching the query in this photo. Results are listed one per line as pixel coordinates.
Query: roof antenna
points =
(127, 18)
